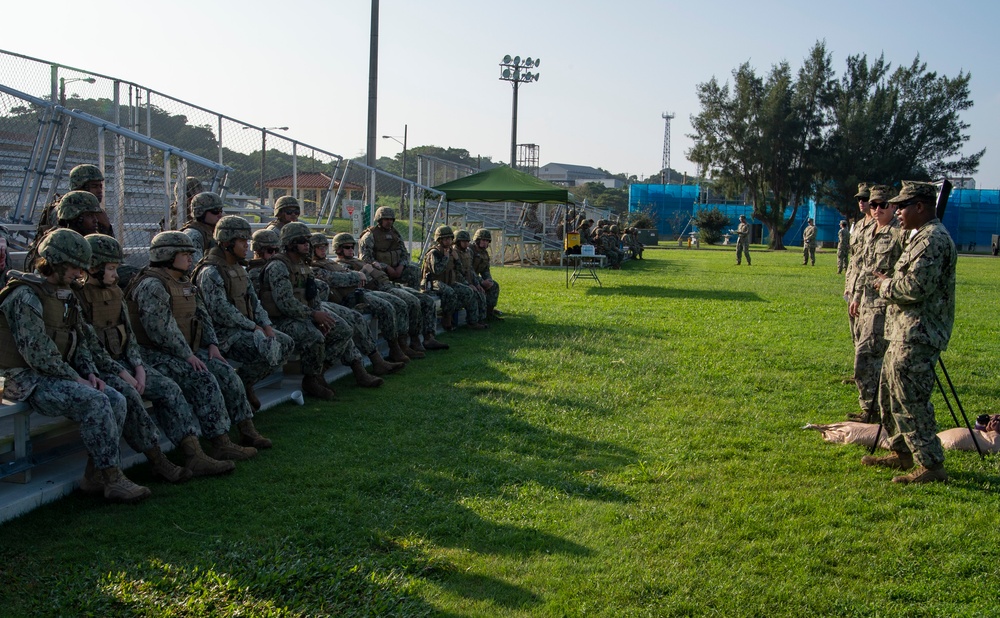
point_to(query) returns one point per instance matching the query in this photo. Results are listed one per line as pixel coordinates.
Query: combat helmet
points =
(104, 250)
(443, 231)
(292, 231)
(64, 246)
(75, 203)
(230, 228)
(343, 239)
(462, 235)
(82, 174)
(614, 229)
(384, 212)
(166, 245)
(483, 233)
(204, 202)
(319, 239)
(285, 201)
(266, 239)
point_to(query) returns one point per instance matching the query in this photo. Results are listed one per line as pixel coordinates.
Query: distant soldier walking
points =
(743, 240)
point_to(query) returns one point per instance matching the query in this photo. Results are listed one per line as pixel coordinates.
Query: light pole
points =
(62, 86)
(263, 155)
(402, 191)
(511, 71)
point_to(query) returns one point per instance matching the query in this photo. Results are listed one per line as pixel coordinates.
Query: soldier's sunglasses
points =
(215, 211)
(270, 251)
(878, 205)
(302, 240)
(290, 211)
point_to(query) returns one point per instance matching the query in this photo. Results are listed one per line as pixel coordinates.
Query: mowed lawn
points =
(634, 449)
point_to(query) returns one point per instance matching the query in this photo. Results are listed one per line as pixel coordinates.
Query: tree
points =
(710, 224)
(765, 138)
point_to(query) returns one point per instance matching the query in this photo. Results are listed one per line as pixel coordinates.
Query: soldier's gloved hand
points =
(196, 363)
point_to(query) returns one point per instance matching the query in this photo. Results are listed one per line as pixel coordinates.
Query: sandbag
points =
(958, 439)
(955, 439)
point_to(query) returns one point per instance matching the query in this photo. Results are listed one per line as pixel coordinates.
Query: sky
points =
(608, 69)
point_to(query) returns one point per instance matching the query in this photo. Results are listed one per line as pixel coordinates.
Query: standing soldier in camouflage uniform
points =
(383, 247)
(290, 295)
(853, 273)
(43, 363)
(177, 338)
(743, 240)
(206, 210)
(843, 247)
(919, 320)
(809, 243)
(119, 359)
(481, 266)
(241, 324)
(438, 275)
(348, 299)
(465, 277)
(286, 210)
(882, 249)
(422, 310)
(77, 210)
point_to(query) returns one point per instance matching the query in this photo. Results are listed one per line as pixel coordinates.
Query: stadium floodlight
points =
(511, 71)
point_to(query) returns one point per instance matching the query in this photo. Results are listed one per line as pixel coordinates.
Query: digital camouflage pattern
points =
(467, 284)
(421, 309)
(481, 266)
(843, 248)
(387, 247)
(742, 241)
(80, 175)
(809, 243)
(438, 273)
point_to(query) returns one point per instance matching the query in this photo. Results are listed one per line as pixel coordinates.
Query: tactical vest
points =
(183, 306)
(337, 294)
(60, 313)
(448, 277)
(234, 276)
(463, 265)
(298, 275)
(480, 260)
(102, 306)
(207, 233)
(388, 245)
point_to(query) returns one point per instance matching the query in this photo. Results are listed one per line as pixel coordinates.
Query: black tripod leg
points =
(878, 434)
(944, 394)
(954, 393)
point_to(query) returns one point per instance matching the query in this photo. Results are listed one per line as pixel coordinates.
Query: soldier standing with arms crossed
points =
(919, 319)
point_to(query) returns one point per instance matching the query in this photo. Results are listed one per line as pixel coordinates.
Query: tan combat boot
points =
(249, 436)
(931, 474)
(201, 464)
(363, 378)
(894, 460)
(396, 352)
(315, 386)
(430, 343)
(412, 347)
(118, 488)
(91, 483)
(223, 448)
(381, 366)
(164, 468)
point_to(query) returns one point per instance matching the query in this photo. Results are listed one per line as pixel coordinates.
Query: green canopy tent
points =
(503, 184)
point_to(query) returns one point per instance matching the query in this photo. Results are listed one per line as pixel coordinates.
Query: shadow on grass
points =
(665, 292)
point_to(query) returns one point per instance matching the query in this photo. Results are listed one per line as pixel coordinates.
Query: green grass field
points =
(627, 450)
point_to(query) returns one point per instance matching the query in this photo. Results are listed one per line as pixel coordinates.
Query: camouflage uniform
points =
(919, 320)
(843, 248)
(609, 246)
(421, 309)
(42, 371)
(115, 350)
(237, 322)
(387, 247)
(857, 249)
(344, 292)
(467, 279)
(882, 250)
(217, 396)
(742, 240)
(481, 267)
(809, 243)
(437, 277)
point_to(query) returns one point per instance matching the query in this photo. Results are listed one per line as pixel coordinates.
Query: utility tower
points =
(667, 117)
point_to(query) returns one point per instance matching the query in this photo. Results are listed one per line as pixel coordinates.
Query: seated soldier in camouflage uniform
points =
(83, 177)
(383, 247)
(286, 210)
(290, 295)
(465, 277)
(481, 266)
(609, 246)
(438, 275)
(421, 308)
(78, 211)
(206, 210)
(178, 339)
(43, 365)
(118, 357)
(349, 299)
(241, 324)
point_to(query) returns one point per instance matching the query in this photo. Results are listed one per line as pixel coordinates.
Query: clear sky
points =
(608, 70)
